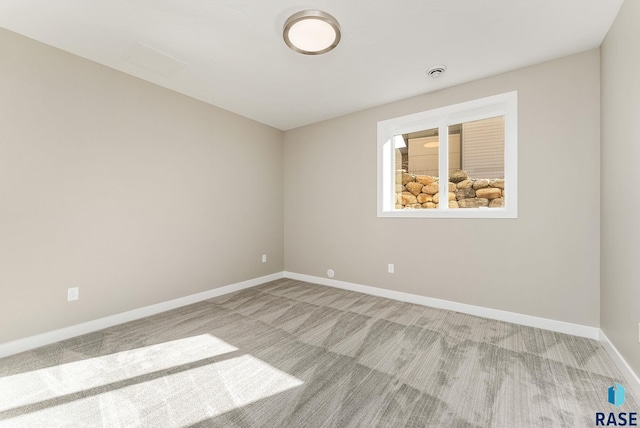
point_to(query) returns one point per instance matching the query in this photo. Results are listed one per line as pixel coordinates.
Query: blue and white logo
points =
(616, 395)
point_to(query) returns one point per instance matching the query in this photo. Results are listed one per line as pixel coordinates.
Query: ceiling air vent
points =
(436, 71)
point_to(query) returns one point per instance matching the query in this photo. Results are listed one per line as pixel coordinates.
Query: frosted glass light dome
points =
(311, 32)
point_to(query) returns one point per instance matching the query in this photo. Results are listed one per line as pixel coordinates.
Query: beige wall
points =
(134, 193)
(620, 306)
(139, 195)
(545, 263)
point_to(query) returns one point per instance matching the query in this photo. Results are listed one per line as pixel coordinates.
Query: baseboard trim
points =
(632, 379)
(497, 314)
(32, 342)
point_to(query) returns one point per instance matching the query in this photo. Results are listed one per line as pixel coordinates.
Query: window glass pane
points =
(416, 180)
(455, 164)
(481, 159)
(476, 163)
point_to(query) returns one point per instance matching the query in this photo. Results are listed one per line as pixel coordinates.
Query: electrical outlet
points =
(264, 258)
(73, 294)
(391, 268)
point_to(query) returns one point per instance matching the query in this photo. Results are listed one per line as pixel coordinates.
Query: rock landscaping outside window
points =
(422, 191)
(457, 161)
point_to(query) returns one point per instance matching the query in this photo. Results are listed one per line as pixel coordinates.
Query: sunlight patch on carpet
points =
(110, 390)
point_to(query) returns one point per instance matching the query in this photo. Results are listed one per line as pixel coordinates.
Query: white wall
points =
(620, 281)
(545, 263)
(134, 193)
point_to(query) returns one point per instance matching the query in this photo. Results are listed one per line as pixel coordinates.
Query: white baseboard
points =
(632, 380)
(32, 342)
(497, 314)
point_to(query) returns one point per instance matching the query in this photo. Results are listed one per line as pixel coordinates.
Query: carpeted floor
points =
(293, 354)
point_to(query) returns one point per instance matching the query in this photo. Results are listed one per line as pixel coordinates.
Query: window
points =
(467, 151)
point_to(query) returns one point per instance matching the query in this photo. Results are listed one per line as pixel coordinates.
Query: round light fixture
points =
(311, 32)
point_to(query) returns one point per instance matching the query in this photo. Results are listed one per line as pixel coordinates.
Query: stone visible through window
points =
(474, 165)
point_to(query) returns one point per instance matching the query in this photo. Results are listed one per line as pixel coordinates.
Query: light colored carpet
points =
(293, 354)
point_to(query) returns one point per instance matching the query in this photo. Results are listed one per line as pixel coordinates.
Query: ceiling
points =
(230, 53)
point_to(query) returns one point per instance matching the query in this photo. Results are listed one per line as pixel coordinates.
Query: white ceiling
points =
(230, 53)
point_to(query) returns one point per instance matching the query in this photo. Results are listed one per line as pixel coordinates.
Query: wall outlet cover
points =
(73, 293)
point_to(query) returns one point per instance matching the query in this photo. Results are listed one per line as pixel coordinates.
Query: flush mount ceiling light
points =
(311, 32)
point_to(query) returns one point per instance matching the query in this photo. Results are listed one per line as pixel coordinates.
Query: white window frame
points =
(498, 105)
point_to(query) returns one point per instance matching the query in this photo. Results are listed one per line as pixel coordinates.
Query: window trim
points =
(498, 105)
